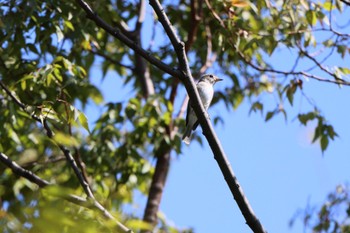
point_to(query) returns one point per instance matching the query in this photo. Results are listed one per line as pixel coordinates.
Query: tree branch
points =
(18, 170)
(156, 188)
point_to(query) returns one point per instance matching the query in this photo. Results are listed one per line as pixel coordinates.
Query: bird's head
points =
(210, 78)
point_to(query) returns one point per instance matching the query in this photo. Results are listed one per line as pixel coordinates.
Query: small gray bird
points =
(205, 87)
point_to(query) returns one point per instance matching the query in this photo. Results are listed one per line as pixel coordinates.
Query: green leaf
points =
(95, 95)
(65, 139)
(331, 133)
(328, 6)
(290, 93)
(311, 17)
(269, 115)
(237, 100)
(83, 121)
(139, 224)
(304, 118)
(344, 70)
(324, 142)
(256, 106)
(69, 25)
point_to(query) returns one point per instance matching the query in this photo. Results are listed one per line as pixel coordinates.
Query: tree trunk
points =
(156, 189)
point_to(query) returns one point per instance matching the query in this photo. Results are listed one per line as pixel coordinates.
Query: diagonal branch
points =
(18, 170)
(205, 123)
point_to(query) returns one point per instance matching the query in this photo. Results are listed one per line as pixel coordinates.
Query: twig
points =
(216, 16)
(111, 60)
(319, 64)
(47, 161)
(298, 73)
(210, 59)
(196, 16)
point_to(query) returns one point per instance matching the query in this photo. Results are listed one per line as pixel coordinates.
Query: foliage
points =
(332, 216)
(48, 53)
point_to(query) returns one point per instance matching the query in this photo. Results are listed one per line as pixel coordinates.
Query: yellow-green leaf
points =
(65, 139)
(83, 121)
(311, 17)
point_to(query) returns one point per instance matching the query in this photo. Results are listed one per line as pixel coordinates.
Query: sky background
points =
(278, 167)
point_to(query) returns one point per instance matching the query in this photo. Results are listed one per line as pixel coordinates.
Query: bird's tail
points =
(186, 138)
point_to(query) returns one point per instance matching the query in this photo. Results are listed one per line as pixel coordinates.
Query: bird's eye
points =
(211, 76)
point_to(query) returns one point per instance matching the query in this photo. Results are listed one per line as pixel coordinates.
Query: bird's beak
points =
(218, 80)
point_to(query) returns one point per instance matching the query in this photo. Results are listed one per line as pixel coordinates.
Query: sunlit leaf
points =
(65, 139)
(59, 33)
(83, 121)
(240, 3)
(311, 17)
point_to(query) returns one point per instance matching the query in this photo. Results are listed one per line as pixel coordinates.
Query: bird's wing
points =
(195, 125)
(188, 111)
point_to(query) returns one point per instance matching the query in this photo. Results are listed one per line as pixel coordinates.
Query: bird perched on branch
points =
(205, 87)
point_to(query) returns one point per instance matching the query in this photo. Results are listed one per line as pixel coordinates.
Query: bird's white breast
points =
(206, 93)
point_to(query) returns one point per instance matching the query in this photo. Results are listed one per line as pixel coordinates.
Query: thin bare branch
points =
(295, 73)
(47, 161)
(111, 60)
(216, 16)
(210, 59)
(306, 54)
(196, 16)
